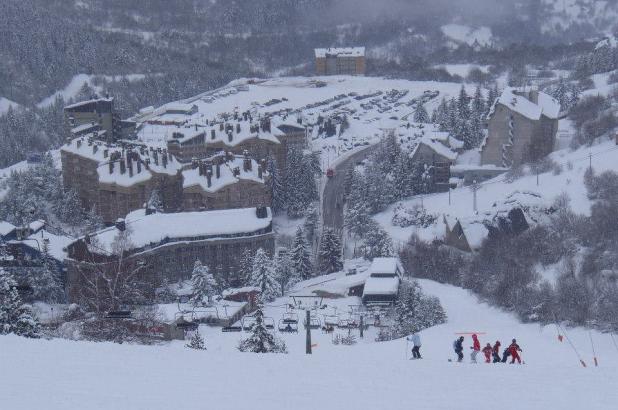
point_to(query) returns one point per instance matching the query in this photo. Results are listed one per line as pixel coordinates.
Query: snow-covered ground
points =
(570, 180)
(370, 106)
(5, 103)
(59, 374)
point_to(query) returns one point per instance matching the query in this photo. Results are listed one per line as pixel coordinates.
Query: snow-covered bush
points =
(196, 342)
(15, 317)
(414, 216)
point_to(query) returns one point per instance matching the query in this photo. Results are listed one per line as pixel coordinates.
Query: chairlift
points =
(187, 326)
(231, 328)
(347, 324)
(269, 323)
(288, 327)
(289, 317)
(314, 323)
(331, 320)
(247, 323)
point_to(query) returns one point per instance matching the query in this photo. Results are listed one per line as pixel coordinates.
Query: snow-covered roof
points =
(386, 266)
(340, 52)
(95, 151)
(57, 243)
(236, 291)
(514, 100)
(191, 177)
(153, 229)
(437, 147)
(6, 228)
(82, 103)
(381, 286)
(35, 226)
(475, 232)
(239, 130)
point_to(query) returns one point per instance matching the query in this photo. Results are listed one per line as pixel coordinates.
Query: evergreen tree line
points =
(15, 316)
(389, 175)
(38, 193)
(464, 117)
(600, 60)
(413, 312)
(298, 188)
(504, 271)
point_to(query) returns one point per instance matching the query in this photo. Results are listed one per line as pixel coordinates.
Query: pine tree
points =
(15, 317)
(463, 104)
(276, 186)
(202, 284)
(263, 275)
(196, 342)
(330, 252)
(301, 257)
(377, 243)
(285, 273)
(245, 266)
(478, 104)
(420, 114)
(441, 115)
(45, 282)
(414, 311)
(311, 221)
(261, 340)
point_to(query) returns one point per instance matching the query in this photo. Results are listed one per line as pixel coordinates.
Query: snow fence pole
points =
(308, 328)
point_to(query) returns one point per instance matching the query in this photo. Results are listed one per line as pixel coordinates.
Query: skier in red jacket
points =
(476, 348)
(513, 350)
(487, 352)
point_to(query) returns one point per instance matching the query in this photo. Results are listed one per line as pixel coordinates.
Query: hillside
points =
(369, 375)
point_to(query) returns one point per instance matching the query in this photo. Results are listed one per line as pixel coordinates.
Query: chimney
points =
(212, 134)
(260, 171)
(221, 126)
(139, 166)
(164, 158)
(246, 164)
(130, 166)
(200, 169)
(105, 153)
(209, 178)
(195, 127)
(95, 148)
(194, 163)
(230, 136)
(155, 156)
(236, 171)
(261, 212)
(123, 167)
(79, 143)
(235, 115)
(218, 170)
(111, 167)
(237, 128)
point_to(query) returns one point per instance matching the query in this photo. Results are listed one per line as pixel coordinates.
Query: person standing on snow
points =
(416, 342)
(458, 346)
(496, 352)
(476, 347)
(487, 352)
(514, 350)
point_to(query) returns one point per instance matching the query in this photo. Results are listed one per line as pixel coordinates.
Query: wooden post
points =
(308, 328)
(362, 325)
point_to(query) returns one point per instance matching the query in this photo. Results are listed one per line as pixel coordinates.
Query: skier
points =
(416, 341)
(458, 346)
(496, 352)
(487, 351)
(506, 354)
(514, 350)
(476, 347)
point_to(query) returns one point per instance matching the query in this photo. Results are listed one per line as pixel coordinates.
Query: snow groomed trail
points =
(58, 374)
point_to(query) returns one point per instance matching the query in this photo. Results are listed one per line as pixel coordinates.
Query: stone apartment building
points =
(340, 61)
(522, 127)
(97, 116)
(225, 181)
(260, 138)
(167, 245)
(117, 179)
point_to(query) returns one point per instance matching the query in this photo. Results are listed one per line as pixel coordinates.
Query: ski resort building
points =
(166, 246)
(522, 127)
(117, 179)
(438, 157)
(340, 61)
(239, 135)
(98, 117)
(225, 181)
(382, 285)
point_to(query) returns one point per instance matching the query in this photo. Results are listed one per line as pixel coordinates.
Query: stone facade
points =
(340, 61)
(172, 258)
(514, 135)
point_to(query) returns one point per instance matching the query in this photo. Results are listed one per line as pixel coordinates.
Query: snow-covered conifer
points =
(263, 275)
(203, 284)
(261, 340)
(330, 252)
(196, 342)
(301, 257)
(15, 317)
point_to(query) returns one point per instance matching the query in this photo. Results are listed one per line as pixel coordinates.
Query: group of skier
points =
(492, 353)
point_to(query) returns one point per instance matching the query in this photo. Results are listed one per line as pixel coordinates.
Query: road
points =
(332, 197)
